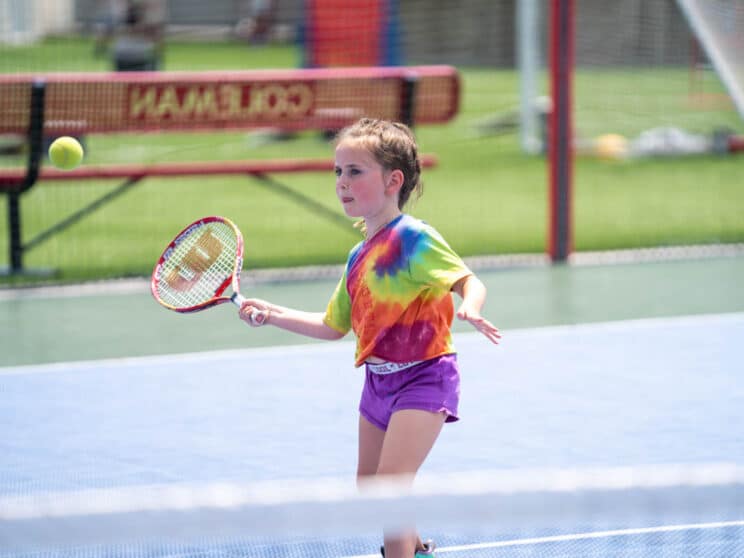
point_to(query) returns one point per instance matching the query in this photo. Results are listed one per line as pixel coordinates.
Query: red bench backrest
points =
(181, 101)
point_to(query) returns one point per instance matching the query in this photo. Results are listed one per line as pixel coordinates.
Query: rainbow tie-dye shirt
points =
(395, 293)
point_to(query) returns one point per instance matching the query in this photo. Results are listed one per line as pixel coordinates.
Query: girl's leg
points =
(370, 446)
(409, 438)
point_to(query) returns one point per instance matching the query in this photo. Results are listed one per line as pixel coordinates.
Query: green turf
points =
(486, 196)
(77, 54)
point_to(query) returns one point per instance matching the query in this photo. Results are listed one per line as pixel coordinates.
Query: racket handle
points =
(237, 299)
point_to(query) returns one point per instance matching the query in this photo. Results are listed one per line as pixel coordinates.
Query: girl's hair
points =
(393, 146)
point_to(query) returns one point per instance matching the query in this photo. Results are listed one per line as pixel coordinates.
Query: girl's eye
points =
(339, 171)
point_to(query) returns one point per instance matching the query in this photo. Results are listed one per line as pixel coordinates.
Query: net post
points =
(527, 18)
(560, 149)
(35, 142)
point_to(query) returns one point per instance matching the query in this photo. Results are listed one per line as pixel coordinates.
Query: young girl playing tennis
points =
(395, 295)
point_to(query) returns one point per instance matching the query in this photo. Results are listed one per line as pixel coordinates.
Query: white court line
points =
(577, 537)
(312, 348)
(346, 347)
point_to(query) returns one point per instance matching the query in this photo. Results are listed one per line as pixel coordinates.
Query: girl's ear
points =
(394, 181)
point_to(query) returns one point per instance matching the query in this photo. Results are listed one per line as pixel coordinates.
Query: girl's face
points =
(362, 185)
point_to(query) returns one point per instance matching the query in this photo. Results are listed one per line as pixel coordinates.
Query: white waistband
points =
(390, 367)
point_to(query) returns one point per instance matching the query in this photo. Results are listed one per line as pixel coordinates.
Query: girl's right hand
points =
(255, 312)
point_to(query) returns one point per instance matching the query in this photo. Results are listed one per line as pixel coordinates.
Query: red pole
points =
(560, 136)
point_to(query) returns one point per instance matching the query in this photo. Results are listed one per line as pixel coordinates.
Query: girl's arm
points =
(256, 312)
(473, 293)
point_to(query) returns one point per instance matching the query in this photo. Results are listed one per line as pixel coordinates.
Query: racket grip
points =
(237, 299)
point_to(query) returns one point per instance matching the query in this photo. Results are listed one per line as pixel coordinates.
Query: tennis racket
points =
(198, 266)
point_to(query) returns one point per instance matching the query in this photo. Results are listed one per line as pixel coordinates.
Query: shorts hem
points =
(451, 417)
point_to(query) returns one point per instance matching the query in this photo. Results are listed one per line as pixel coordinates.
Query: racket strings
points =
(200, 265)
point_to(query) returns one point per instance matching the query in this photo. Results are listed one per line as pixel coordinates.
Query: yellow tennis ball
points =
(66, 153)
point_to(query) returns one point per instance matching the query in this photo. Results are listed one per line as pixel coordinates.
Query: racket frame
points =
(233, 281)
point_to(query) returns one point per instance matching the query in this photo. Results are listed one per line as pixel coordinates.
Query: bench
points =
(52, 105)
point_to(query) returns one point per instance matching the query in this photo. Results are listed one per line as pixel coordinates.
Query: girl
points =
(395, 295)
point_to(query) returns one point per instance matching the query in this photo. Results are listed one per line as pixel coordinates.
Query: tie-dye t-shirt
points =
(395, 293)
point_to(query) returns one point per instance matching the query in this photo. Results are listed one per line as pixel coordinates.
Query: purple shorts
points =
(432, 385)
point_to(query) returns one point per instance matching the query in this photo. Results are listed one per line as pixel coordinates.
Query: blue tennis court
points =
(636, 392)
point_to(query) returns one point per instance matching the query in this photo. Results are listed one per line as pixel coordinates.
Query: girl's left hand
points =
(479, 322)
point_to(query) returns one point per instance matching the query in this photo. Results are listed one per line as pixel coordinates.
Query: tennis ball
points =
(66, 153)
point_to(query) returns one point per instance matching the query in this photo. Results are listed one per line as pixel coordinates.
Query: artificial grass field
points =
(486, 196)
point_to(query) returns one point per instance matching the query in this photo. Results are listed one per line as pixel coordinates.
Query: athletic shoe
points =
(426, 552)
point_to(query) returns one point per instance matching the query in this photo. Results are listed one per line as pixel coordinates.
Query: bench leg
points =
(14, 230)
